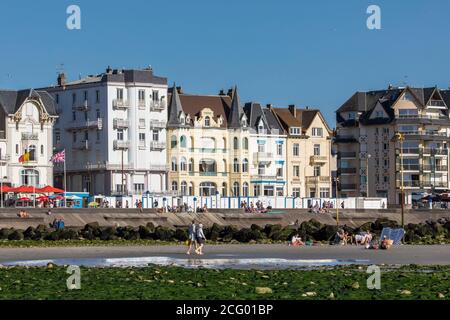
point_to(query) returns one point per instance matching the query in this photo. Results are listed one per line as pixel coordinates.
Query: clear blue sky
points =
(314, 53)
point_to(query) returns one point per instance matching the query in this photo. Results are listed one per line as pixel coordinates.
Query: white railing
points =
(121, 145)
(157, 145)
(30, 136)
(120, 104)
(157, 124)
(120, 123)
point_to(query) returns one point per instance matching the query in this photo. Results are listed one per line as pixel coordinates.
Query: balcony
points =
(159, 167)
(157, 105)
(208, 174)
(265, 177)
(263, 155)
(425, 135)
(318, 179)
(409, 167)
(318, 159)
(347, 170)
(430, 167)
(437, 152)
(156, 124)
(437, 104)
(82, 145)
(141, 104)
(90, 124)
(409, 184)
(415, 151)
(345, 139)
(121, 145)
(157, 146)
(348, 187)
(347, 155)
(429, 184)
(30, 136)
(119, 104)
(120, 124)
(83, 107)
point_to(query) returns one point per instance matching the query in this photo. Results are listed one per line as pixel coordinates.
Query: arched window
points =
(184, 188)
(42, 149)
(224, 189)
(174, 186)
(183, 164)
(207, 167)
(32, 152)
(192, 142)
(245, 143)
(183, 142)
(245, 189)
(174, 164)
(207, 121)
(225, 143)
(225, 169)
(245, 165)
(236, 143)
(29, 177)
(236, 165)
(207, 189)
(236, 191)
(173, 142)
(191, 189)
(191, 165)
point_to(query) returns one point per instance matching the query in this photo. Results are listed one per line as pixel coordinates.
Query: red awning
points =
(26, 189)
(25, 199)
(5, 189)
(49, 189)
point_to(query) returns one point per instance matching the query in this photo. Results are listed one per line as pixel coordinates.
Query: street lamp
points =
(401, 138)
(368, 156)
(336, 180)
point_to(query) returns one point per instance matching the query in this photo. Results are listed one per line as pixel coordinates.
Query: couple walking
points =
(196, 238)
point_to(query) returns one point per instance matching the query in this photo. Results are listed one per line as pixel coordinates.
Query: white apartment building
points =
(26, 123)
(267, 152)
(113, 128)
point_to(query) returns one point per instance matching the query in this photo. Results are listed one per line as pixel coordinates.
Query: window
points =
(141, 137)
(57, 137)
(191, 165)
(142, 123)
(74, 98)
(296, 171)
(183, 142)
(57, 98)
(155, 135)
(268, 191)
(42, 149)
(155, 95)
(235, 143)
(312, 192)
(74, 137)
(317, 132)
(295, 131)
(29, 177)
(236, 191)
(32, 152)
(245, 143)
(141, 96)
(261, 148)
(236, 165)
(280, 191)
(173, 142)
(279, 149)
(191, 189)
(207, 189)
(184, 188)
(17, 149)
(97, 96)
(139, 188)
(85, 116)
(98, 135)
(261, 169)
(408, 97)
(316, 171)
(120, 134)
(86, 135)
(174, 186)
(224, 189)
(207, 121)
(119, 93)
(174, 166)
(98, 113)
(317, 149)
(296, 192)
(183, 164)
(208, 167)
(324, 192)
(280, 172)
(257, 190)
(379, 114)
(85, 95)
(296, 149)
(74, 116)
(245, 189)
(245, 165)
(351, 116)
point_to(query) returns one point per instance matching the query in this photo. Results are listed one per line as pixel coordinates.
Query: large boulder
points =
(108, 233)
(326, 233)
(16, 235)
(423, 230)
(29, 233)
(164, 234)
(309, 228)
(227, 233)
(181, 234)
(146, 232)
(247, 235)
(4, 233)
(382, 223)
(214, 232)
(68, 234)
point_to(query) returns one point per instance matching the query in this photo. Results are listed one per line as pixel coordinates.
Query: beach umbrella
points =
(26, 189)
(24, 199)
(42, 198)
(93, 204)
(5, 189)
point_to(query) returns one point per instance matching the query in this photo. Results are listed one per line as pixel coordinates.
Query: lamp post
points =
(401, 138)
(367, 174)
(336, 180)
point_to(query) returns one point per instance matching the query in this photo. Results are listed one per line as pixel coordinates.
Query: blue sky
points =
(311, 53)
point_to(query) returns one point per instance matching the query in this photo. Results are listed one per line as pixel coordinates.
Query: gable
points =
(378, 112)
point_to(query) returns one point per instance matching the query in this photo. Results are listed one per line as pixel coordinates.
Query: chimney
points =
(61, 79)
(230, 92)
(222, 92)
(109, 70)
(180, 90)
(269, 106)
(293, 110)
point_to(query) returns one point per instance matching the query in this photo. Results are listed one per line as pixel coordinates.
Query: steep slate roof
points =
(446, 96)
(194, 104)
(11, 101)
(255, 113)
(234, 119)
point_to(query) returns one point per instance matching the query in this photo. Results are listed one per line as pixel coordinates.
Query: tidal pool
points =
(195, 262)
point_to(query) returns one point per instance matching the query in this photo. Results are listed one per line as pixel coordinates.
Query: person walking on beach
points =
(200, 239)
(192, 233)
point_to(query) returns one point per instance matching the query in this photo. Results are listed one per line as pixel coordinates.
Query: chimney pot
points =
(61, 79)
(293, 110)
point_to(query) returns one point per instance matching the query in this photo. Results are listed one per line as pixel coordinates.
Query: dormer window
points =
(295, 131)
(207, 121)
(351, 116)
(182, 120)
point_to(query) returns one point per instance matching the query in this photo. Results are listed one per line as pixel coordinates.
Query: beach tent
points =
(396, 235)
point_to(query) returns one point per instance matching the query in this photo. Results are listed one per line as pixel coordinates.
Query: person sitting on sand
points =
(385, 243)
(297, 241)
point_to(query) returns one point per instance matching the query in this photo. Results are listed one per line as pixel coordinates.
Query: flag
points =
(25, 157)
(59, 157)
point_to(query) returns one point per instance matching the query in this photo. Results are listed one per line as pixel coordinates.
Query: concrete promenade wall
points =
(132, 217)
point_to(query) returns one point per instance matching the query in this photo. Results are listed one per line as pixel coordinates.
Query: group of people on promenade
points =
(252, 208)
(196, 238)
